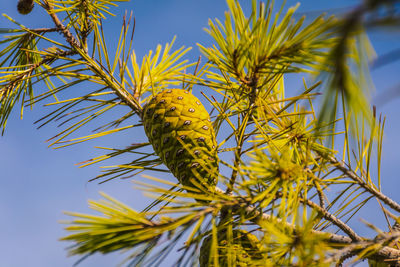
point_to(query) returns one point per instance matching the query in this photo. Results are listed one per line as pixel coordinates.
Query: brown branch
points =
(384, 253)
(67, 34)
(256, 216)
(356, 243)
(321, 195)
(86, 29)
(9, 86)
(112, 83)
(349, 173)
(336, 221)
(232, 180)
(43, 30)
(96, 68)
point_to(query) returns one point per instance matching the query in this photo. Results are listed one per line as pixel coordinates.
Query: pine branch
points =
(352, 246)
(96, 68)
(9, 86)
(44, 30)
(336, 221)
(349, 173)
(356, 242)
(67, 34)
(255, 215)
(383, 254)
(110, 81)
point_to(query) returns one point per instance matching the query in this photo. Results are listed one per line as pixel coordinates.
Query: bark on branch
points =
(355, 243)
(67, 34)
(340, 165)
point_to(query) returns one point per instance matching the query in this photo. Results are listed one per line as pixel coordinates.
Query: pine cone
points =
(25, 6)
(180, 130)
(244, 250)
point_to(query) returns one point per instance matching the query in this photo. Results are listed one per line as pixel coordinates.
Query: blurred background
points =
(38, 183)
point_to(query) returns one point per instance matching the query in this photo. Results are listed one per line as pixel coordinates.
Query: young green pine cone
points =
(244, 250)
(179, 128)
(25, 6)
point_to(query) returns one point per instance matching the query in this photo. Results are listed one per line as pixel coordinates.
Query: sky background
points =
(38, 183)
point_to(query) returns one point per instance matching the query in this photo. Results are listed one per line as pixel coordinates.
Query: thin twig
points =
(236, 166)
(349, 173)
(43, 30)
(336, 221)
(321, 196)
(10, 85)
(86, 28)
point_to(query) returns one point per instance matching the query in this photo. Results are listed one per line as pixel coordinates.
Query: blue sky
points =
(38, 183)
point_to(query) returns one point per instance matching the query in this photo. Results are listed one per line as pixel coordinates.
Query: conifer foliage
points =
(254, 168)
